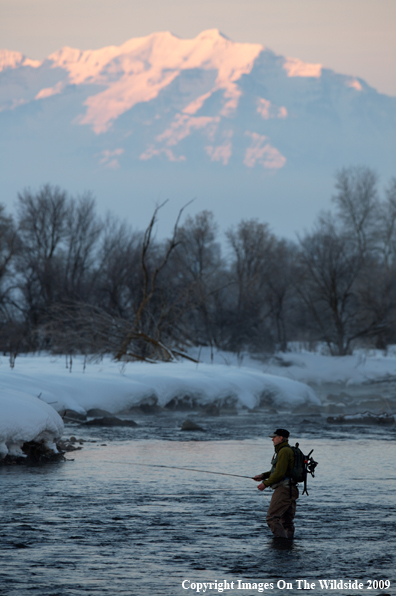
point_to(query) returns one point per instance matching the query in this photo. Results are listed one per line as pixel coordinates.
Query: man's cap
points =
(280, 432)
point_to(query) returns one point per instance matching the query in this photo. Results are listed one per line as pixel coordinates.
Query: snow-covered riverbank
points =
(314, 367)
(39, 389)
(36, 381)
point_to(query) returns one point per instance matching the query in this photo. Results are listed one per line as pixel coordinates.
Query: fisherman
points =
(282, 508)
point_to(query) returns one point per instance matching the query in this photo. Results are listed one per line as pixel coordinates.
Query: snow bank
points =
(221, 378)
(114, 387)
(315, 367)
(205, 384)
(26, 418)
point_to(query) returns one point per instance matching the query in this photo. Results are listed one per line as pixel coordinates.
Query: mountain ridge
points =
(208, 107)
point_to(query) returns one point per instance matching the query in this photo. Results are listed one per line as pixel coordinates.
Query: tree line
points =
(71, 282)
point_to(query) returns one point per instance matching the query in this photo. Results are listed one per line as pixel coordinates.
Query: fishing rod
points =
(134, 463)
(127, 463)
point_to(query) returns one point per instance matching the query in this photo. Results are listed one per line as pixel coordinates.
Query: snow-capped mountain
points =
(205, 117)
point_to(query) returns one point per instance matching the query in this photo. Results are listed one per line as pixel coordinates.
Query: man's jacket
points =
(282, 463)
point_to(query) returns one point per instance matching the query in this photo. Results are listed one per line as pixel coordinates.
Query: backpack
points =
(303, 464)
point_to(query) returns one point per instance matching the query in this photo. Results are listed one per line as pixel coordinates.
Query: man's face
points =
(276, 440)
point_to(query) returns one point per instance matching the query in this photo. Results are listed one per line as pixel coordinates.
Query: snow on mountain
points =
(10, 59)
(139, 69)
(163, 110)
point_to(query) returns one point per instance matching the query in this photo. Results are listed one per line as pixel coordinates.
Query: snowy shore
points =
(39, 389)
(315, 367)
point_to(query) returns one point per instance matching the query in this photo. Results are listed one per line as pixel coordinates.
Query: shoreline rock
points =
(189, 425)
(110, 421)
(363, 418)
(37, 452)
(72, 416)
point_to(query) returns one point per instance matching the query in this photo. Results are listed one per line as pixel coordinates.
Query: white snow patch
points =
(260, 151)
(49, 91)
(297, 68)
(26, 418)
(268, 110)
(354, 84)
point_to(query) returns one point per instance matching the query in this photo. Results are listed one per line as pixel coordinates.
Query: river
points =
(101, 525)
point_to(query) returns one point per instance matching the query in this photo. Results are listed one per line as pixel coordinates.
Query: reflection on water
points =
(101, 525)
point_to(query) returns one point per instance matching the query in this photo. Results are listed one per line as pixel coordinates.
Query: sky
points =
(355, 37)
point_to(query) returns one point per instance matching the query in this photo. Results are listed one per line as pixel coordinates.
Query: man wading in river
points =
(282, 508)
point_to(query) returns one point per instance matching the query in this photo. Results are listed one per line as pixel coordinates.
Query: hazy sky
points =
(356, 37)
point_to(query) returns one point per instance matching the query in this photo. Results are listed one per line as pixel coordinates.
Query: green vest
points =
(279, 477)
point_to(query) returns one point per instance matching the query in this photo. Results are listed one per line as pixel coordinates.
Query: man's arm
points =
(262, 476)
(261, 486)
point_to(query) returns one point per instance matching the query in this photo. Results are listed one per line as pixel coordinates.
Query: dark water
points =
(100, 525)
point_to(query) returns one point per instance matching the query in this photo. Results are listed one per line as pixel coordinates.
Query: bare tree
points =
(144, 336)
(279, 286)
(377, 286)
(376, 314)
(42, 228)
(328, 272)
(134, 304)
(198, 266)
(251, 245)
(82, 233)
(387, 225)
(8, 248)
(119, 273)
(11, 329)
(358, 205)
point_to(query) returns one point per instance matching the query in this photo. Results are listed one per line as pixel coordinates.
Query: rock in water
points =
(365, 418)
(190, 425)
(73, 416)
(110, 421)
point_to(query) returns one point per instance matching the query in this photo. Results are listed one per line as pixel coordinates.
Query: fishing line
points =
(391, 478)
(128, 463)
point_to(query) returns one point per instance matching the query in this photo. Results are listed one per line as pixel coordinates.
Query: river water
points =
(101, 525)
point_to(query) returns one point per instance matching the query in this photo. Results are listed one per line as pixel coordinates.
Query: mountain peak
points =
(212, 34)
(138, 70)
(11, 59)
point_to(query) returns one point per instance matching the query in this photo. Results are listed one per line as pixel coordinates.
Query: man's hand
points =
(261, 486)
(258, 477)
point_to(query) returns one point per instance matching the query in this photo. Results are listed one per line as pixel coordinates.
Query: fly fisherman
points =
(282, 508)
